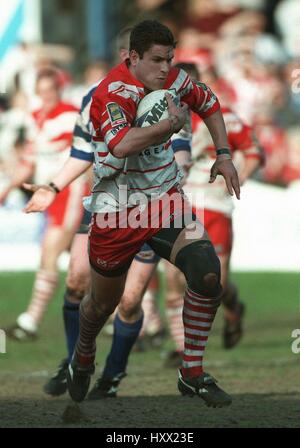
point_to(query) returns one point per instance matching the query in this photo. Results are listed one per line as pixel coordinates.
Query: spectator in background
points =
(291, 169)
(289, 115)
(274, 141)
(94, 72)
(48, 145)
(287, 19)
(13, 123)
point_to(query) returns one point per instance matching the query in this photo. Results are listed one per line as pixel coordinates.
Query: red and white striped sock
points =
(174, 307)
(152, 320)
(43, 290)
(89, 328)
(198, 316)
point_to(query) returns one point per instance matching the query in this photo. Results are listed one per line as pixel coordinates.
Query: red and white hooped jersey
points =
(49, 140)
(241, 140)
(153, 171)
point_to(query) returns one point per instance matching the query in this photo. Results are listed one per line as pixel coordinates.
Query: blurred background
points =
(247, 51)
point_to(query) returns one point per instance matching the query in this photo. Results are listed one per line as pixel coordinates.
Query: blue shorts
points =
(85, 223)
(147, 255)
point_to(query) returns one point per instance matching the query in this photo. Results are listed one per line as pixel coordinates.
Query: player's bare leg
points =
(95, 309)
(77, 285)
(174, 304)
(55, 242)
(153, 331)
(127, 325)
(234, 309)
(197, 259)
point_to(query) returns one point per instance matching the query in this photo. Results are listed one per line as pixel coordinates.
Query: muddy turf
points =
(261, 374)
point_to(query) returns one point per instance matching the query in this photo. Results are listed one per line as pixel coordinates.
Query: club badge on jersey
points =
(116, 114)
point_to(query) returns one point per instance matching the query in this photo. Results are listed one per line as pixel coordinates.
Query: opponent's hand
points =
(43, 197)
(224, 166)
(177, 115)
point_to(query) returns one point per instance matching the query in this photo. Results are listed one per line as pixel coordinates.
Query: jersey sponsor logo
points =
(118, 128)
(116, 114)
(154, 115)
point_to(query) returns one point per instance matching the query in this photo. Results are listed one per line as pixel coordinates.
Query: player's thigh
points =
(174, 278)
(56, 240)
(169, 242)
(138, 278)
(106, 292)
(190, 249)
(78, 277)
(224, 260)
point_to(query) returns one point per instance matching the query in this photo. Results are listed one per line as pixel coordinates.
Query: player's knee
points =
(99, 305)
(201, 267)
(74, 296)
(128, 309)
(77, 281)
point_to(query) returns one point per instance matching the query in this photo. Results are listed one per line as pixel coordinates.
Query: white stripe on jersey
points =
(59, 125)
(126, 90)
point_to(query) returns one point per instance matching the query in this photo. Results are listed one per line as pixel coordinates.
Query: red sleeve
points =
(112, 116)
(200, 98)
(241, 138)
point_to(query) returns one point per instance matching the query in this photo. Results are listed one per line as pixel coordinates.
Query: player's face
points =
(153, 69)
(48, 92)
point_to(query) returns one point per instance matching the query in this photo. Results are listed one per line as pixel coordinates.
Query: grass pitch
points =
(262, 373)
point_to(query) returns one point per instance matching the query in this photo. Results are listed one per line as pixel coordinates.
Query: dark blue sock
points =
(71, 321)
(124, 338)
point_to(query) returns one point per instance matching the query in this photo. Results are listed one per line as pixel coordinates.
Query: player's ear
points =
(134, 58)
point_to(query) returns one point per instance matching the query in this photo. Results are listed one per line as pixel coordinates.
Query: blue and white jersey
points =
(82, 147)
(182, 141)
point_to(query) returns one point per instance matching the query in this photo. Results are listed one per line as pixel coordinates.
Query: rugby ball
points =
(154, 107)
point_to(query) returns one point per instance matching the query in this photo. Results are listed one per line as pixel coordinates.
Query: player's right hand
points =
(41, 200)
(180, 113)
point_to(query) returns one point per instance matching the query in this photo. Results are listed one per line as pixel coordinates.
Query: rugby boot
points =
(206, 388)
(17, 333)
(78, 379)
(233, 328)
(57, 385)
(106, 387)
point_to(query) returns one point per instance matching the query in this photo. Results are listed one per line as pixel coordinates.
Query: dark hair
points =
(50, 73)
(148, 33)
(123, 38)
(190, 68)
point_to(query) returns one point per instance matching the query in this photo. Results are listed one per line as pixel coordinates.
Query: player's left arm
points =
(204, 102)
(243, 139)
(251, 165)
(181, 146)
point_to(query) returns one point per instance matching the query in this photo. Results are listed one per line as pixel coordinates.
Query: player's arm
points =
(44, 195)
(80, 160)
(23, 173)
(203, 102)
(243, 139)
(138, 139)
(254, 157)
(181, 145)
(250, 166)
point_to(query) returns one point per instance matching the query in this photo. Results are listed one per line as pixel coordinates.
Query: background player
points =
(217, 215)
(49, 140)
